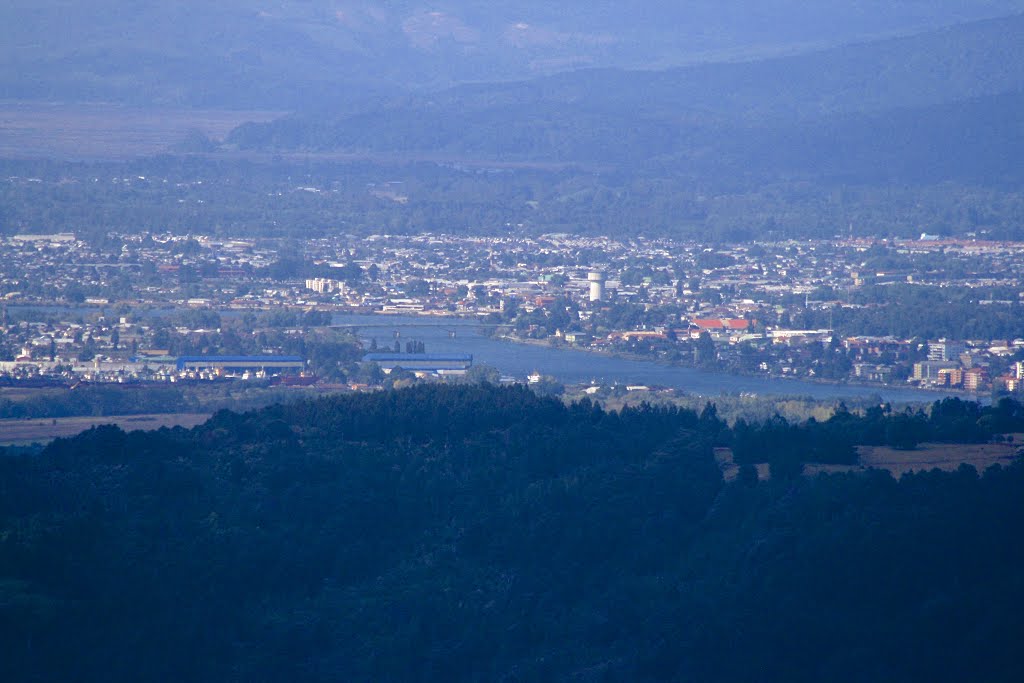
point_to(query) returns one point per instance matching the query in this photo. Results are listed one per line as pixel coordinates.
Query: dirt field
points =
(17, 432)
(927, 456)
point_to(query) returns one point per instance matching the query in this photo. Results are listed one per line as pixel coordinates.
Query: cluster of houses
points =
(751, 296)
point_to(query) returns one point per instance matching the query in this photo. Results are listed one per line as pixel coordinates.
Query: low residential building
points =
(928, 371)
(975, 379)
(872, 372)
(951, 377)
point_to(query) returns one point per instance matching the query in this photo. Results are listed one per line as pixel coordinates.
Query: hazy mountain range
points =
(940, 105)
(799, 115)
(282, 54)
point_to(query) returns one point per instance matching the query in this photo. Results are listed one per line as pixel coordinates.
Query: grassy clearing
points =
(927, 456)
(21, 432)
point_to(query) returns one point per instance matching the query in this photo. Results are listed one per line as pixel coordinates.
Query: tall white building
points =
(596, 279)
(944, 350)
(322, 285)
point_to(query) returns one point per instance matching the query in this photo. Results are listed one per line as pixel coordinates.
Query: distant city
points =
(930, 312)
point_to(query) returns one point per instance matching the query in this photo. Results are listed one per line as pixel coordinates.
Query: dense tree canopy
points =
(479, 533)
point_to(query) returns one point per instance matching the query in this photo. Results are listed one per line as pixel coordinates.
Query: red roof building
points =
(721, 323)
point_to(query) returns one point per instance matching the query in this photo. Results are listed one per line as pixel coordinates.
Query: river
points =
(574, 366)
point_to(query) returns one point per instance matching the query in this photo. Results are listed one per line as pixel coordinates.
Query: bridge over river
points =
(451, 326)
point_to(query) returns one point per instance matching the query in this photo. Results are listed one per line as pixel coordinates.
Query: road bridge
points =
(451, 327)
(445, 325)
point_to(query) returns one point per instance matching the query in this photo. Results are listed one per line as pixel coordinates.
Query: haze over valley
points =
(511, 341)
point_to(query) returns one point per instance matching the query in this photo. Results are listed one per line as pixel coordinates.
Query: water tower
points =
(596, 279)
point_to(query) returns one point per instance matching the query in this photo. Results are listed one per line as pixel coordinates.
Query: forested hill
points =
(449, 533)
(868, 114)
(288, 53)
(960, 63)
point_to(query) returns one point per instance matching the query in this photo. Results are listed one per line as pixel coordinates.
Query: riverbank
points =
(926, 394)
(574, 366)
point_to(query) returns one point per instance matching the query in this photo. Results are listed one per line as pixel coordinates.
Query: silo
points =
(596, 279)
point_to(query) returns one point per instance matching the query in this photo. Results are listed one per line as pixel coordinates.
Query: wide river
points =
(574, 366)
(578, 367)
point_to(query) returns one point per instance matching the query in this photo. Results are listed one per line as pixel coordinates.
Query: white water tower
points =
(596, 279)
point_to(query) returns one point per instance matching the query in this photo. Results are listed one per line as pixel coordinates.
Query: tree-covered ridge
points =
(247, 199)
(846, 96)
(482, 533)
(801, 144)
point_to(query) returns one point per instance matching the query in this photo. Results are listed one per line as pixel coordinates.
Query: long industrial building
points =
(439, 363)
(241, 363)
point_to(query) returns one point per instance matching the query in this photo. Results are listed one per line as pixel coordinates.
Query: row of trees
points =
(950, 420)
(246, 198)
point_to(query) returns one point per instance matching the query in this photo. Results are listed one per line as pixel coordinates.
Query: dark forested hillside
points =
(475, 533)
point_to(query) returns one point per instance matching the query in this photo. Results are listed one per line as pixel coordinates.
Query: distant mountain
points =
(299, 54)
(943, 104)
